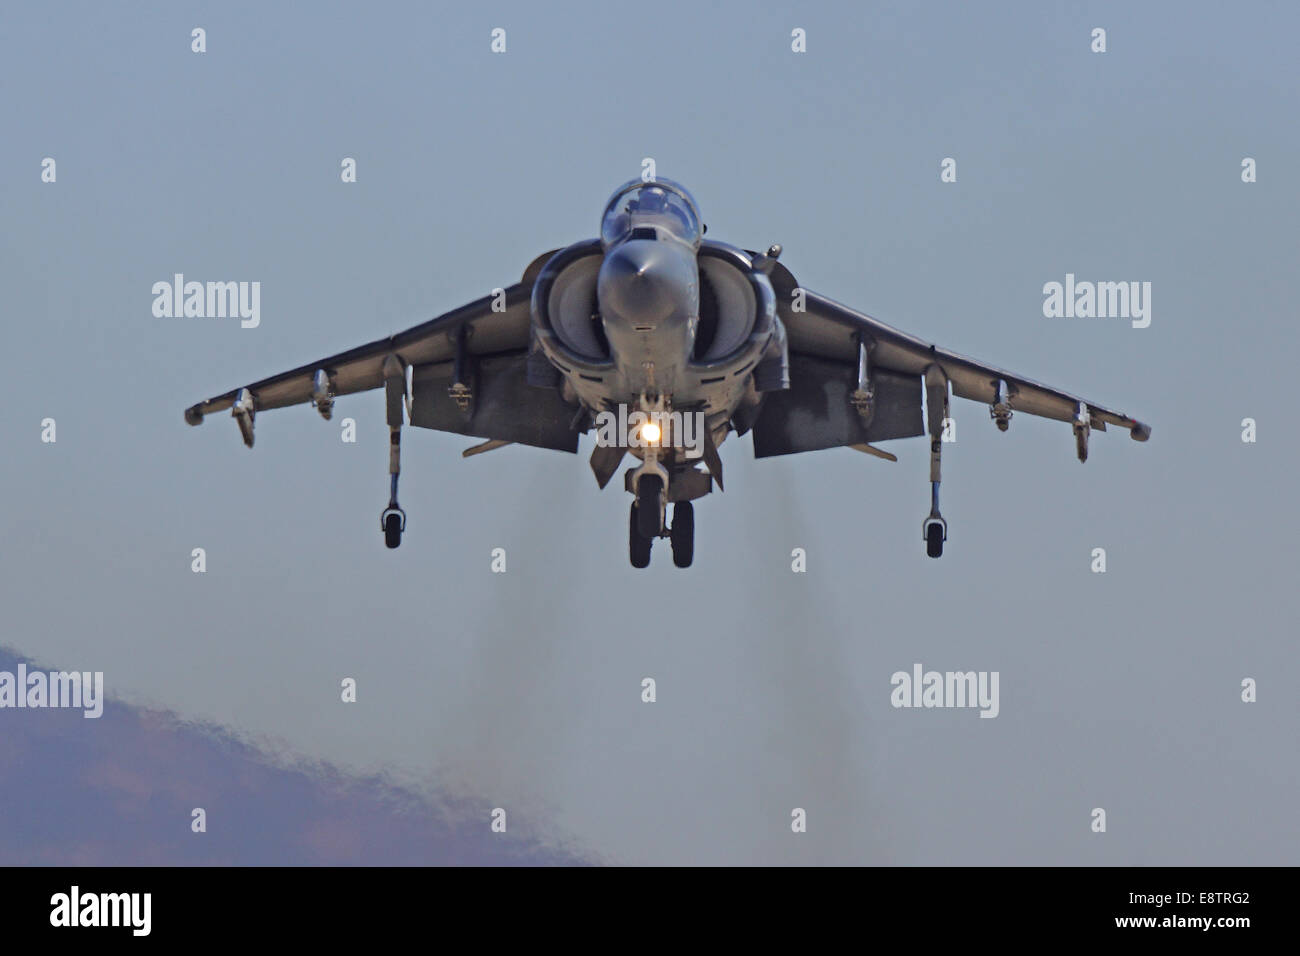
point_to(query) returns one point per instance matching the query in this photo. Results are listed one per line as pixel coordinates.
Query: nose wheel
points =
(683, 534)
(646, 520)
(649, 506)
(638, 546)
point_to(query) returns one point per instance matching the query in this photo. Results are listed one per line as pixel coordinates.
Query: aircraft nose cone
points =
(639, 282)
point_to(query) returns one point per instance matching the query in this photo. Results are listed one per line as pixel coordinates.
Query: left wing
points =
(828, 334)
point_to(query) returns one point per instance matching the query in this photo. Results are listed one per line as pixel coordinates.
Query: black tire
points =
(934, 540)
(683, 534)
(393, 530)
(638, 546)
(648, 491)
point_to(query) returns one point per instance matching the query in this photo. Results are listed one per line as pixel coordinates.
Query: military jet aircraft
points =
(664, 343)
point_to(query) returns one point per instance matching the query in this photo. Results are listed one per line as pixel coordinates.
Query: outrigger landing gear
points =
(934, 529)
(393, 519)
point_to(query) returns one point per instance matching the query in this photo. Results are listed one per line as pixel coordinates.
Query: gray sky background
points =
(522, 690)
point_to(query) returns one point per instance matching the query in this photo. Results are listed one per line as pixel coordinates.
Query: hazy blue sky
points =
(522, 690)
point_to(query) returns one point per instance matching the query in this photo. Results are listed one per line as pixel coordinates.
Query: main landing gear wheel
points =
(638, 545)
(649, 492)
(393, 521)
(683, 534)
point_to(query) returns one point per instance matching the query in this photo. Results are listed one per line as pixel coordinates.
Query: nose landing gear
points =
(646, 523)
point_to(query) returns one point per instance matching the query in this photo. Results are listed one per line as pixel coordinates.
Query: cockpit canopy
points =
(659, 203)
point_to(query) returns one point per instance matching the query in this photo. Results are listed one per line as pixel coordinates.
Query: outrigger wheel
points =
(393, 523)
(935, 531)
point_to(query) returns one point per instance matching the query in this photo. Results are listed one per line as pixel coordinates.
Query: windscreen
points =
(649, 205)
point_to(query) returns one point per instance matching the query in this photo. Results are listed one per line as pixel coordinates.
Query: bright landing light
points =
(650, 433)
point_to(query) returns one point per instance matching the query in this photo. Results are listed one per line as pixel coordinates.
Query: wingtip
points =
(193, 415)
(1140, 432)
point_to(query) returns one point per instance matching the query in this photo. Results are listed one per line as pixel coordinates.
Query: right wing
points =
(362, 368)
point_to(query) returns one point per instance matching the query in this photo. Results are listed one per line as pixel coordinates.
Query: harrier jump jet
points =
(641, 334)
